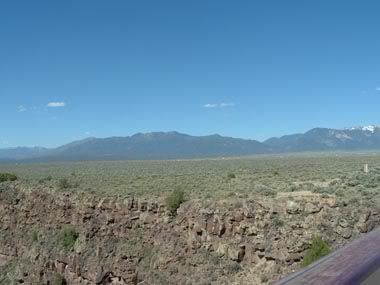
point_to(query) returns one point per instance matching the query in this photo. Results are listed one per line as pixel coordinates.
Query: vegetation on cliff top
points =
(318, 249)
(7, 177)
(174, 200)
(339, 174)
(68, 237)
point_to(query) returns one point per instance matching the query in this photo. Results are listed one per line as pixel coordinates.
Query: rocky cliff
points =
(48, 237)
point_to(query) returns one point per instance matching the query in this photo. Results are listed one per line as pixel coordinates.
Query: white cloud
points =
(56, 104)
(219, 105)
(21, 108)
(210, 106)
(226, 105)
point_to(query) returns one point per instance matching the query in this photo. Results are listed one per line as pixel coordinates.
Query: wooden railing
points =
(356, 263)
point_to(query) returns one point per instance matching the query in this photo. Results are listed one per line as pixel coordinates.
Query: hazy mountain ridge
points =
(324, 139)
(157, 145)
(174, 145)
(17, 153)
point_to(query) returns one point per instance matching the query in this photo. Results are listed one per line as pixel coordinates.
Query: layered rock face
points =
(125, 240)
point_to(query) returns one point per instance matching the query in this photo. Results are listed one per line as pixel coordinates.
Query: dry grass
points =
(340, 174)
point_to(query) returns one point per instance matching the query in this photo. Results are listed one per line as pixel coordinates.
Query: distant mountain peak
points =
(153, 135)
(175, 145)
(370, 128)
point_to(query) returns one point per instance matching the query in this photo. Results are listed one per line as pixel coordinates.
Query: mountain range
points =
(174, 145)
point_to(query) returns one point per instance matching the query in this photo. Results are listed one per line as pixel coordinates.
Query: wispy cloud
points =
(218, 105)
(56, 104)
(222, 105)
(35, 108)
(21, 108)
(210, 105)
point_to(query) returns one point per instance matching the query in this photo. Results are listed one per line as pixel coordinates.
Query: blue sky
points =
(251, 69)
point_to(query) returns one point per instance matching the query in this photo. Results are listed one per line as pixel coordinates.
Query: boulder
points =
(293, 257)
(312, 208)
(222, 249)
(236, 253)
(251, 230)
(343, 223)
(293, 207)
(344, 232)
(362, 227)
(147, 218)
(364, 217)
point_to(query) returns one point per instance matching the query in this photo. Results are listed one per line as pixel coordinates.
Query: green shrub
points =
(293, 188)
(318, 249)
(268, 192)
(68, 237)
(59, 280)
(34, 236)
(264, 278)
(277, 222)
(233, 267)
(7, 177)
(231, 175)
(63, 183)
(174, 200)
(45, 179)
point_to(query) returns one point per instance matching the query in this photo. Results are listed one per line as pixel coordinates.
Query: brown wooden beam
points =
(351, 265)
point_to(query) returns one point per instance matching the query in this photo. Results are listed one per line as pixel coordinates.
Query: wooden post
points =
(366, 168)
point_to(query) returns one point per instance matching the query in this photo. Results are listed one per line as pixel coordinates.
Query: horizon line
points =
(181, 133)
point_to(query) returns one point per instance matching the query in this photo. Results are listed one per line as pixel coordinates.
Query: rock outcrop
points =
(126, 240)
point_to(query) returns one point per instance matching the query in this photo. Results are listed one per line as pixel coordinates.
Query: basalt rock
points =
(135, 241)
